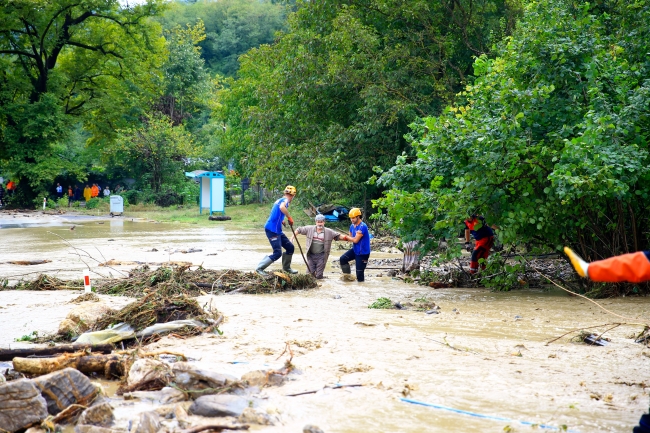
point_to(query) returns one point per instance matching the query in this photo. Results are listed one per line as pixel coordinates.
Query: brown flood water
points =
(504, 369)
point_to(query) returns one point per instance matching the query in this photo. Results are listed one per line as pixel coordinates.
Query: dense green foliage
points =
(550, 142)
(333, 97)
(62, 62)
(232, 27)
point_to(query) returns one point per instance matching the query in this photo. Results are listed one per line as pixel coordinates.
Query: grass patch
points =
(381, 304)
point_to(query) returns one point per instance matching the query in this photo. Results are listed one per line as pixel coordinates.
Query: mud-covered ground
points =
(496, 362)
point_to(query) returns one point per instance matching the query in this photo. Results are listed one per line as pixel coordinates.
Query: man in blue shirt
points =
(277, 238)
(360, 251)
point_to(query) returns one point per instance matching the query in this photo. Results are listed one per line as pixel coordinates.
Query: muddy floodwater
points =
(496, 363)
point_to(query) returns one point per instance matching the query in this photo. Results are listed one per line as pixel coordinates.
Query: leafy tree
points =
(232, 27)
(63, 61)
(550, 142)
(334, 95)
(154, 152)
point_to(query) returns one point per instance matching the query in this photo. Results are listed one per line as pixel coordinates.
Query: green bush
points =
(93, 203)
(131, 196)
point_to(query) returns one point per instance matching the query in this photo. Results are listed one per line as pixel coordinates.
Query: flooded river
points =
(495, 371)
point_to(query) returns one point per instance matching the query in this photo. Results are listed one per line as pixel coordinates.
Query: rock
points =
(164, 396)
(251, 416)
(260, 378)
(433, 312)
(149, 423)
(219, 405)
(81, 318)
(146, 370)
(337, 296)
(35, 430)
(348, 277)
(21, 404)
(94, 429)
(100, 415)
(190, 377)
(311, 429)
(65, 387)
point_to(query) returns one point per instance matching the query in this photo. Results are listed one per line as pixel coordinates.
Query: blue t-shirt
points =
(363, 246)
(274, 223)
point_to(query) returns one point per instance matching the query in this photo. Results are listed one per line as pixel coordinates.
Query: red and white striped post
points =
(87, 286)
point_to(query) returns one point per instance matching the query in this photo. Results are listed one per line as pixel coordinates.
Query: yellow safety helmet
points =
(355, 212)
(290, 190)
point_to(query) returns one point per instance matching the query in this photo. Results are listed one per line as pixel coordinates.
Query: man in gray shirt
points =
(319, 244)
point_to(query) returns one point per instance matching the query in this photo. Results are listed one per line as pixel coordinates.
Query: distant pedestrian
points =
(70, 195)
(87, 193)
(77, 193)
(11, 187)
(94, 190)
(2, 195)
(118, 189)
(107, 192)
(59, 191)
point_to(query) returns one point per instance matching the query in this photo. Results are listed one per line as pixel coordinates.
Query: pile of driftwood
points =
(178, 280)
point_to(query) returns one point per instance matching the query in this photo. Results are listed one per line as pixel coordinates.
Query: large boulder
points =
(219, 405)
(65, 387)
(82, 317)
(21, 404)
(149, 423)
(146, 370)
(100, 415)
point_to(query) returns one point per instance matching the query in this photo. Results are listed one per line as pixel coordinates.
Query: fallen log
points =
(215, 427)
(111, 366)
(28, 262)
(9, 354)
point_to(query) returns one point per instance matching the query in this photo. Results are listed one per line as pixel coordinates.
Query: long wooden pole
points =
(300, 248)
(9, 354)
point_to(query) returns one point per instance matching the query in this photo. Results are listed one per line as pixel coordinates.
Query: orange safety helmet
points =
(290, 189)
(355, 212)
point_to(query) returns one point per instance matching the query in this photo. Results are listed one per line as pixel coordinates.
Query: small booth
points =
(212, 191)
(117, 205)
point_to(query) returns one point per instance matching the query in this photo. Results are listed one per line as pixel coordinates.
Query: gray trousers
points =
(316, 264)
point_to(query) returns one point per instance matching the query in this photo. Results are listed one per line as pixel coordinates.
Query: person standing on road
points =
(277, 238)
(59, 191)
(319, 244)
(107, 191)
(70, 195)
(360, 251)
(484, 237)
(11, 187)
(94, 190)
(77, 193)
(87, 193)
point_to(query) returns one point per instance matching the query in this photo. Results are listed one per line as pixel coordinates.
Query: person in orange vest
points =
(94, 191)
(11, 187)
(484, 237)
(70, 195)
(633, 267)
(87, 193)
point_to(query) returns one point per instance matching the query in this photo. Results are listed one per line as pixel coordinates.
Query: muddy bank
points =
(496, 363)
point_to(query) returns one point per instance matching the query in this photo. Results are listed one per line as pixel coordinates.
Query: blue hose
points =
(478, 415)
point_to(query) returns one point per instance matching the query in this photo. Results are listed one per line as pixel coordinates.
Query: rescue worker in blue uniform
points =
(360, 251)
(277, 238)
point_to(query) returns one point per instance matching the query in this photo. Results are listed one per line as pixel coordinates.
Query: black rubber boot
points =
(286, 264)
(346, 268)
(265, 263)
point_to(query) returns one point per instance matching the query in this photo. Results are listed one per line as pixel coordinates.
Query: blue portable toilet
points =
(212, 190)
